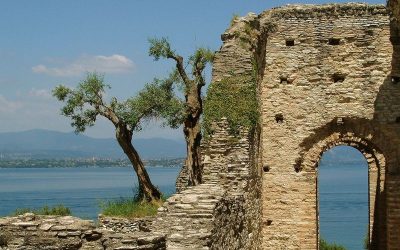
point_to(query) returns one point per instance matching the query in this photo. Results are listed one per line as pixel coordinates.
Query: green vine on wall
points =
(235, 98)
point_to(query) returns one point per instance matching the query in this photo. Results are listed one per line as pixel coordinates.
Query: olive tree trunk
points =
(192, 132)
(147, 191)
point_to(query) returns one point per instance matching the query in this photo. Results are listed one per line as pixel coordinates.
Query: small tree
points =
(85, 103)
(193, 82)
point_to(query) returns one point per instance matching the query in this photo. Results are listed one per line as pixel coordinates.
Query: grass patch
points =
(60, 210)
(324, 245)
(130, 208)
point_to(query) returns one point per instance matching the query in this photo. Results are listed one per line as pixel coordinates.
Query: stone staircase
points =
(187, 218)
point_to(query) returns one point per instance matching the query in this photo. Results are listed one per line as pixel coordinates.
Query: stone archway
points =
(291, 203)
(376, 180)
(326, 75)
(322, 90)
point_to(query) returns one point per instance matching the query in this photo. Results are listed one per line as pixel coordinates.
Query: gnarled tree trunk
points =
(194, 108)
(147, 191)
(192, 132)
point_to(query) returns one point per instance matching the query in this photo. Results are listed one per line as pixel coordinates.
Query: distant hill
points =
(40, 143)
(342, 154)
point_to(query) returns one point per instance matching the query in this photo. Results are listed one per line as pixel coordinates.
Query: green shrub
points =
(20, 211)
(129, 208)
(324, 245)
(60, 210)
(234, 98)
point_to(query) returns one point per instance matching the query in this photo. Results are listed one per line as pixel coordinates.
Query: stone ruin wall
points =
(196, 217)
(223, 212)
(394, 182)
(30, 232)
(394, 7)
(328, 76)
(231, 162)
(323, 64)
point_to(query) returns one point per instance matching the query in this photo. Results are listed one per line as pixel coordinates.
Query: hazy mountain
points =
(342, 154)
(52, 144)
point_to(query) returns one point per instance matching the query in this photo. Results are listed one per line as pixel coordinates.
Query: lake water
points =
(343, 201)
(80, 189)
(343, 193)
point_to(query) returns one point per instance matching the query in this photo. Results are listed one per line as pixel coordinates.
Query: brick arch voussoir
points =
(370, 153)
(361, 134)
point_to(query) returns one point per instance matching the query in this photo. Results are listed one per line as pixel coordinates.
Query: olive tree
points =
(86, 103)
(192, 81)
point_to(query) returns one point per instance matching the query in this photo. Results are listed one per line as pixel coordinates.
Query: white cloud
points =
(104, 64)
(40, 93)
(7, 106)
(31, 109)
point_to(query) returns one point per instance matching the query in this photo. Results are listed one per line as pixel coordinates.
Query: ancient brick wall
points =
(394, 8)
(225, 211)
(323, 64)
(231, 161)
(328, 76)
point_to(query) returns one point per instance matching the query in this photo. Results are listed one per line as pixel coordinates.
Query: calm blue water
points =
(343, 202)
(343, 193)
(80, 189)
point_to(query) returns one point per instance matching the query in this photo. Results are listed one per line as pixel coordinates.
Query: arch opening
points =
(343, 197)
(376, 166)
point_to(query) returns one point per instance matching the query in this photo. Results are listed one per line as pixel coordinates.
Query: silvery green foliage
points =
(86, 102)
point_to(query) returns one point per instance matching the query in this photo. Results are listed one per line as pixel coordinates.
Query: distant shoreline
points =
(85, 163)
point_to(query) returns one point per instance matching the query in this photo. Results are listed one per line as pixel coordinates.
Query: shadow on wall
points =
(387, 102)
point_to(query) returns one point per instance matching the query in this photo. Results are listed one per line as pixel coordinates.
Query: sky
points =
(45, 43)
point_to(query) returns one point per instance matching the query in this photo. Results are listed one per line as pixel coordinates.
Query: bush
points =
(60, 210)
(129, 208)
(234, 98)
(324, 245)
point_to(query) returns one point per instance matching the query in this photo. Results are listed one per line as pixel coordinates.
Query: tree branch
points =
(110, 115)
(179, 65)
(198, 73)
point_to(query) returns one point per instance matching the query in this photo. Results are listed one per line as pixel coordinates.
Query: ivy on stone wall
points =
(235, 98)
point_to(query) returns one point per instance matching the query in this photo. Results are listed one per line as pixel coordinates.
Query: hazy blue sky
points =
(46, 43)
